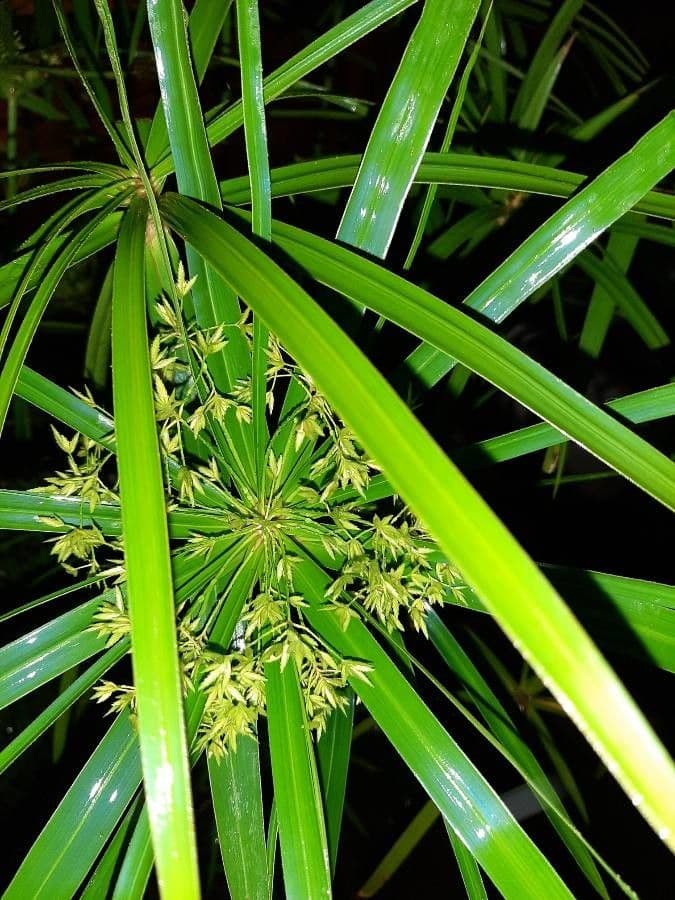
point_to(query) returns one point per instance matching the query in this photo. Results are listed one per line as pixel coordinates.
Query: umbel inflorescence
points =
(237, 607)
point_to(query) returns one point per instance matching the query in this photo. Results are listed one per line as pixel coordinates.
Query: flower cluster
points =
(310, 497)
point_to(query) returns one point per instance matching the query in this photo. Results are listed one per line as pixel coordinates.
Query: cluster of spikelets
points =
(384, 568)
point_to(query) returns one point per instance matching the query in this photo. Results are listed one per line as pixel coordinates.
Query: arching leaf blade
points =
(521, 599)
(440, 326)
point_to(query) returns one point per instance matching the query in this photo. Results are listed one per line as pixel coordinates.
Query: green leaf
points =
(479, 222)
(74, 836)
(27, 511)
(138, 860)
(620, 249)
(560, 239)
(15, 353)
(533, 111)
(619, 292)
(47, 598)
(628, 615)
(65, 406)
(255, 131)
(302, 832)
(192, 157)
(334, 41)
(451, 332)
(82, 416)
(543, 60)
(596, 124)
(76, 183)
(137, 864)
(117, 139)
(214, 302)
(644, 406)
(458, 102)
(503, 728)
(204, 28)
(468, 868)
(99, 885)
(332, 755)
(45, 719)
(47, 651)
(11, 272)
(97, 353)
(148, 568)
(237, 801)
(475, 812)
(404, 124)
(459, 169)
(235, 780)
(516, 593)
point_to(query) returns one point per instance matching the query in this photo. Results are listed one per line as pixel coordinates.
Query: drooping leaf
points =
(523, 602)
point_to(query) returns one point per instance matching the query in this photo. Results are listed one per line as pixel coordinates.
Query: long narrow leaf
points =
(47, 651)
(620, 250)
(505, 578)
(543, 58)
(432, 189)
(302, 832)
(214, 302)
(237, 801)
(68, 845)
(404, 124)
(644, 406)
(468, 868)
(204, 28)
(137, 864)
(506, 733)
(453, 169)
(401, 849)
(621, 293)
(320, 51)
(10, 273)
(18, 349)
(194, 168)
(57, 707)
(98, 886)
(109, 125)
(235, 780)
(560, 239)
(452, 332)
(149, 583)
(475, 812)
(255, 132)
(333, 752)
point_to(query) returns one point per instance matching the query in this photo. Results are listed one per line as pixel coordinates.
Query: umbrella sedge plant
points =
(261, 522)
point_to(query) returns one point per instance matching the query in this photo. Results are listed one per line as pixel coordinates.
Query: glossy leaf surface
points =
(404, 124)
(523, 602)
